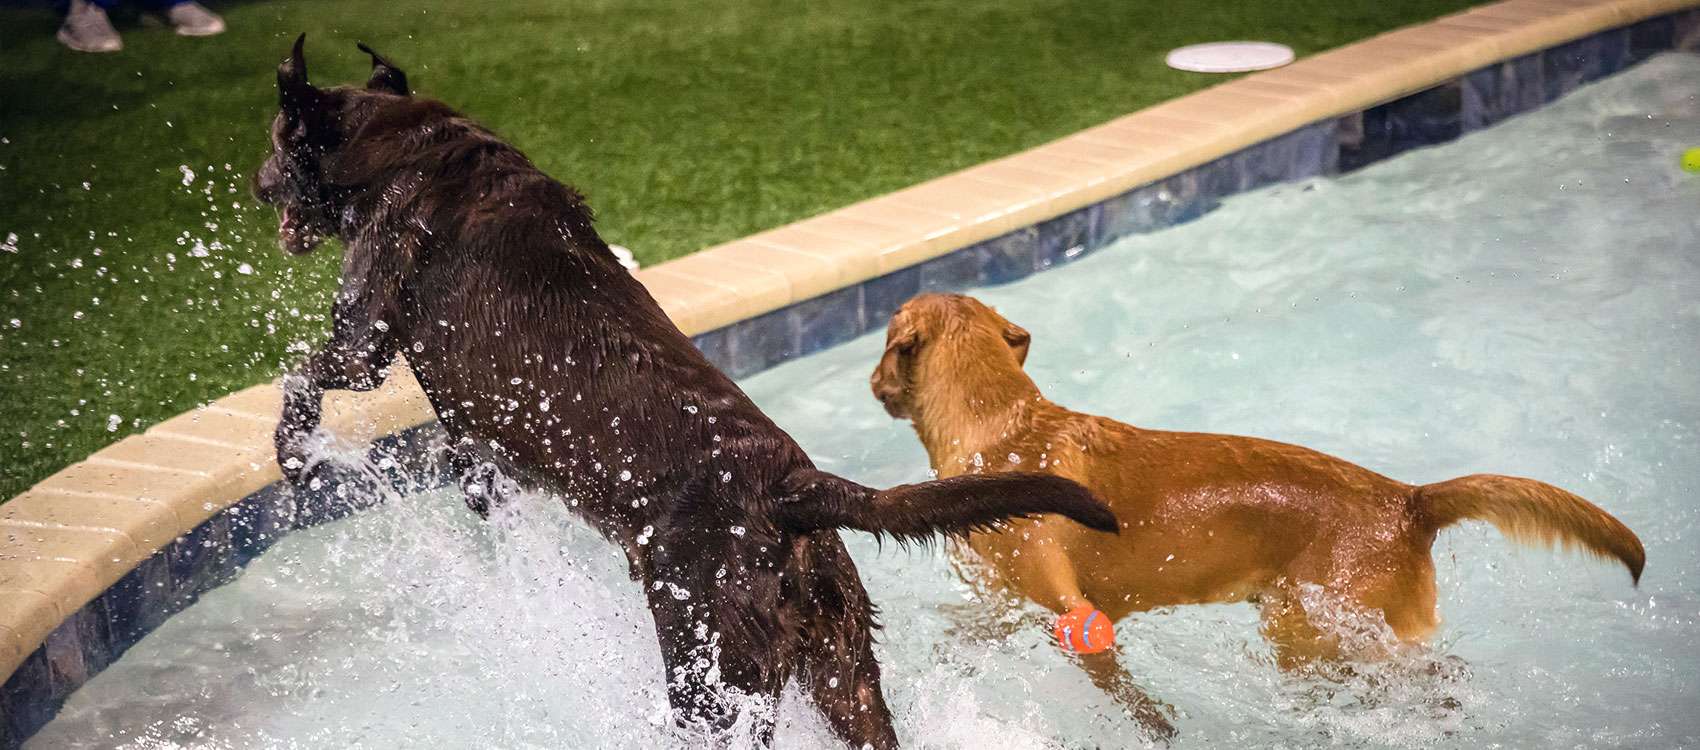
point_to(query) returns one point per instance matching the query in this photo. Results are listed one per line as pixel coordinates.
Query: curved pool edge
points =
(101, 552)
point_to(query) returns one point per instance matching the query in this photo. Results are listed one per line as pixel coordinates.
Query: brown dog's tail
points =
(1532, 512)
(816, 500)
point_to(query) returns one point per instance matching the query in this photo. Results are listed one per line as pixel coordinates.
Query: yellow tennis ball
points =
(1691, 160)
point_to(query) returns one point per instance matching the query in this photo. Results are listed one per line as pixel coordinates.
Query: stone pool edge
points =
(95, 556)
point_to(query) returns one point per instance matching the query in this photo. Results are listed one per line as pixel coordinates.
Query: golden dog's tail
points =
(815, 500)
(1531, 512)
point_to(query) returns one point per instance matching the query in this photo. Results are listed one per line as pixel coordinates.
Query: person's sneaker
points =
(193, 19)
(87, 29)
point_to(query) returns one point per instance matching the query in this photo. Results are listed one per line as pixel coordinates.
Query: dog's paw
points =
(1157, 719)
(485, 487)
(293, 456)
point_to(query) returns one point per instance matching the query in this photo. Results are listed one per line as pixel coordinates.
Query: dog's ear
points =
(887, 380)
(1018, 339)
(385, 75)
(294, 93)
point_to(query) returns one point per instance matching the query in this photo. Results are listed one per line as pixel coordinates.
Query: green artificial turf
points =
(144, 279)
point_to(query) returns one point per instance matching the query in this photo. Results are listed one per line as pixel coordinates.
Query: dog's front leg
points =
(1046, 573)
(360, 348)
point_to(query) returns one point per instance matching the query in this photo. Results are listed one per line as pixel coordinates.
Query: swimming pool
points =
(1522, 300)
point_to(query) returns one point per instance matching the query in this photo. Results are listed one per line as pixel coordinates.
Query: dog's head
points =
(312, 128)
(933, 333)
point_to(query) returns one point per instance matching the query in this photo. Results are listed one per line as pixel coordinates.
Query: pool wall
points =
(96, 556)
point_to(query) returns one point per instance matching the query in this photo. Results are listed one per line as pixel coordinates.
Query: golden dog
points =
(1205, 518)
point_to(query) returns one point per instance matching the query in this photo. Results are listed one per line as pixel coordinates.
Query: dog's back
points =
(540, 352)
(1205, 517)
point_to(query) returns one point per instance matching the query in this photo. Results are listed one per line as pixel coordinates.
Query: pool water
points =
(1525, 300)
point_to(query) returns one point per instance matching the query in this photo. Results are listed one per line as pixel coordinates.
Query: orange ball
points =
(1085, 630)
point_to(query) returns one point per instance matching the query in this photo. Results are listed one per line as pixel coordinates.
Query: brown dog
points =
(1205, 518)
(547, 362)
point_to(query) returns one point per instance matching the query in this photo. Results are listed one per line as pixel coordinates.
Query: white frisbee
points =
(1230, 57)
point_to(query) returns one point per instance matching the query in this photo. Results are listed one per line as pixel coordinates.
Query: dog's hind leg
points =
(725, 654)
(844, 682)
(1298, 642)
(837, 664)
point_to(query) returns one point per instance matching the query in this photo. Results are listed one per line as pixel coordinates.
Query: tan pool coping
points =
(70, 537)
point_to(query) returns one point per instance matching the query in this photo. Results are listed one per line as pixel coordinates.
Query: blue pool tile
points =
(1568, 66)
(340, 491)
(832, 318)
(716, 345)
(1500, 91)
(201, 559)
(1425, 118)
(1173, 200)
(78, 649)
(1009, 257)
(65, 666)
(28, 696)
(1650, 37)
(1685, 31)
(138, 602)
(950, 273)
(258, 521)
(759, 343)
(1613, 49)
(1307, 152)
(94, 636)
(1068, 237)
(1181, 198)
(882, 296)
(1125, 214)
(1221, 177)
(1316, 150)
(8, 740)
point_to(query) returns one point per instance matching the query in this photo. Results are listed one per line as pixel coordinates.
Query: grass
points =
(144, 280)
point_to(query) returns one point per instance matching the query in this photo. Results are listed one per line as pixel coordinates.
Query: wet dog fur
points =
(544, 359)
(1205, 518)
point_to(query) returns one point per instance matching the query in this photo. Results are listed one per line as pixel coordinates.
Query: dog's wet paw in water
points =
(292, 452)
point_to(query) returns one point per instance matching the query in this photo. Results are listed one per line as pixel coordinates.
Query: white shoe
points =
(193, 19)
(87, 29)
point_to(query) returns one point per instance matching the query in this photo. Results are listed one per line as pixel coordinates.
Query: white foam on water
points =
(1525, 300)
